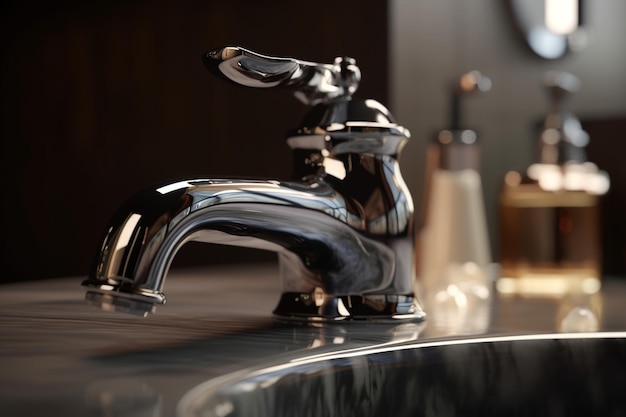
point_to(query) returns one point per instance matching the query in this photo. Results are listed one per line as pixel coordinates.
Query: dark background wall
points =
(100, 99)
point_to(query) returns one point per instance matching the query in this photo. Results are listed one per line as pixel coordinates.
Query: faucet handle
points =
(312, 83)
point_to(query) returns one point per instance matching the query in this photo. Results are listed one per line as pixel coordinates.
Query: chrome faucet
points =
(343, 229)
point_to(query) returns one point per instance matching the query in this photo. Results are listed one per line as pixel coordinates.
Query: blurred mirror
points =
(550, 28)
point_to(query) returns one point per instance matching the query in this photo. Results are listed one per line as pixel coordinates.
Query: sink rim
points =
(209, 389)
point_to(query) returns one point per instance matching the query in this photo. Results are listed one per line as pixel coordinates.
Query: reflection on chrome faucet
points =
(342, 228)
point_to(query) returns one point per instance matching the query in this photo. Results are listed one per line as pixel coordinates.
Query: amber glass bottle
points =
(550, 215)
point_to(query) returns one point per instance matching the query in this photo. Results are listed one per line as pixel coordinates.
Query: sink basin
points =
(525, 375)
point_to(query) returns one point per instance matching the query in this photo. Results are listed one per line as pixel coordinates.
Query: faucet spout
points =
(329, 268)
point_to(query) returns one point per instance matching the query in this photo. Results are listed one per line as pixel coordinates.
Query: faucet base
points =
(318, 306)
(117, 297)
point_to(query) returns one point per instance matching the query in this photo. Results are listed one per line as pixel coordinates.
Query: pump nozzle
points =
(469, 83)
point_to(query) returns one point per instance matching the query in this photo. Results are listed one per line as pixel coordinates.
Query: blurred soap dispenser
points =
(453, 243)
(550, 214)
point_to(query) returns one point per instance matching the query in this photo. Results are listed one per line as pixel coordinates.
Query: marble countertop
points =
(60, 356)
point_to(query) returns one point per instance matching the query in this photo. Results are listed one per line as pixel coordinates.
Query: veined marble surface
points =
(60, 356)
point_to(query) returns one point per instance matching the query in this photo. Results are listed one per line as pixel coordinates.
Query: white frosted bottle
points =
(455, 252)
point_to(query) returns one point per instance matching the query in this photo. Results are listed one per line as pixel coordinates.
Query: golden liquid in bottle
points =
(550, 242)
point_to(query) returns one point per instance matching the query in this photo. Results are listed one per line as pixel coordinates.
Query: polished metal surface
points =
(343, 227)
(312, 83)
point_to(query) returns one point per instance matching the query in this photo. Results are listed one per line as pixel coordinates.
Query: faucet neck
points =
(333, 137)
(353, 146)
